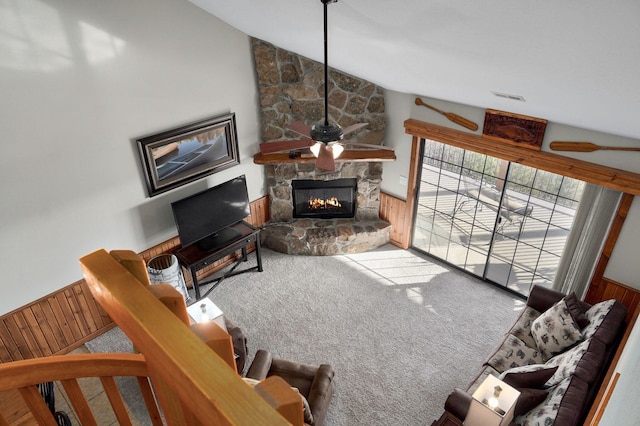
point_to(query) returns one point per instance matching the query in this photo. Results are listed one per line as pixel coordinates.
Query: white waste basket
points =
(165, 268)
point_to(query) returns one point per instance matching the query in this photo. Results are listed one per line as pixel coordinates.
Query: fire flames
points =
(324, 204)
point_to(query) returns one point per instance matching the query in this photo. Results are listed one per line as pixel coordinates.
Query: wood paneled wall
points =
(66, 319)
(54, 324)
(610, 289)
(394, 211)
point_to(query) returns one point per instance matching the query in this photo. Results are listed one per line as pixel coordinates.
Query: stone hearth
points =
(325, 236)
(364, 232)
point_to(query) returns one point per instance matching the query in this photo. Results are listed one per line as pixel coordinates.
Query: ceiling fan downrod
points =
(326, 132)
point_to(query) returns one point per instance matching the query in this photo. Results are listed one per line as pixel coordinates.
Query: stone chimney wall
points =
(291, 89)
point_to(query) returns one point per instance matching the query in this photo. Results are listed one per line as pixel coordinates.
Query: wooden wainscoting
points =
(62, 321)
(395, 211)
(610, 289)
(54, 324)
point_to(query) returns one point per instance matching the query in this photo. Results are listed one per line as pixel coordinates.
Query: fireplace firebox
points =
(324, 199)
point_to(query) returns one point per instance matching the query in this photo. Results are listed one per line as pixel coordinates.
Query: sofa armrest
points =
(260, 366)
(239, 343)
(321, 392)
(458, 403)
(542, 298)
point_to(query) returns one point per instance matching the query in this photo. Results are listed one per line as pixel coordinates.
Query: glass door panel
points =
(503, 222)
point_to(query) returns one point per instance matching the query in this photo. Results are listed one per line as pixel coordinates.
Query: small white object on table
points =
(205, 310)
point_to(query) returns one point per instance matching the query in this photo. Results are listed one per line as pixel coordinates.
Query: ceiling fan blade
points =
(325, 159)
(300, 128)
(367, 145)
(353, 128)
(279, 146)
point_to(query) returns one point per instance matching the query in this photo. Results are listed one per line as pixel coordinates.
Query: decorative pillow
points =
(561, 407)
(545, 413)
(577, 310)
(513, 353)
(555, 330)
(529, 384)
(534, 379)
(583, 360)
(528, 400)
(522, 327)
(605, 320)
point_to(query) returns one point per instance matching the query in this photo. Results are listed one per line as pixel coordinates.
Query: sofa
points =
(556, 353)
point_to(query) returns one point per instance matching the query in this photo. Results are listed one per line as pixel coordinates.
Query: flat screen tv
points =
(204, 218)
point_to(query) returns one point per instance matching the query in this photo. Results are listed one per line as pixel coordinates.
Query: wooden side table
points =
(447, 419)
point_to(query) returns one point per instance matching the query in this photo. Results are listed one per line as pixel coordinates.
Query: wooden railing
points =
(191, 366)
(193, 384)
(24, 376)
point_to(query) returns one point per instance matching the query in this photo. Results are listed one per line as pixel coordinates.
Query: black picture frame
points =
(185, 154)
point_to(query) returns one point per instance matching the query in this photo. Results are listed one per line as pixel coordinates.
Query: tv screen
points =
(203, 218)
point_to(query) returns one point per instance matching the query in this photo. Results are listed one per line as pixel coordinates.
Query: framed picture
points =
(185, 154)
(514, 129)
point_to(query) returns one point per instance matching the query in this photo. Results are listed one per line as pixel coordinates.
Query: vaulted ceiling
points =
(573, 62)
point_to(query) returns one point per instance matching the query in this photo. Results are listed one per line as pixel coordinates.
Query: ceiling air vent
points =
(508, 96)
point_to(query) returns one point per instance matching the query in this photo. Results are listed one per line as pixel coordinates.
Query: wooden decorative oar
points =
(587, 147)
(451, 116)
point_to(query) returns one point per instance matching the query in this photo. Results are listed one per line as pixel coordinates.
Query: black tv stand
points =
(219, 239)
(230, 240)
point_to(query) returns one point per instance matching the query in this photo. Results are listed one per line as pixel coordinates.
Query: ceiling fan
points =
(323, 139)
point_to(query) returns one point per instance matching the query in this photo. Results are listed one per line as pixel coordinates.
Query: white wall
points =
(622, 408)
(80, 80)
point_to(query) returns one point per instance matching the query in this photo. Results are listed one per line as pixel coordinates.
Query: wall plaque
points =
(514, 129)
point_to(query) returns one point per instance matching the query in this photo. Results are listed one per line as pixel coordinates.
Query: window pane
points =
(501, 221)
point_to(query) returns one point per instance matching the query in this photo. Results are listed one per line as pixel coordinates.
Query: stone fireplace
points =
(291, 89)
(325, 236)
(324, 199)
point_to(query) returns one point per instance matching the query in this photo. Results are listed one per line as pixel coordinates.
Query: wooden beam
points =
(609, 177)
(348, 155)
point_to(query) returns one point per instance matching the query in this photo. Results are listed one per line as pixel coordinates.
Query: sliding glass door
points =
(500, 221)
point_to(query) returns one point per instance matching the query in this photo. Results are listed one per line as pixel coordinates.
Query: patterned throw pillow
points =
(596, 316)
(522, 328)
(583, 360)
(555, 330)
(577, 309)
(514, 353)
(544, 414)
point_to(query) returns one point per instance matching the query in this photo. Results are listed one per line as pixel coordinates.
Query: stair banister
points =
(193, 383)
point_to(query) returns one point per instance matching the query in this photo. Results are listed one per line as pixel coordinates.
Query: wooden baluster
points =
(204, 383)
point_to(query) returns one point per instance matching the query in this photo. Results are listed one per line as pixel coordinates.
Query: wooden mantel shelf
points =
(348, 155)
